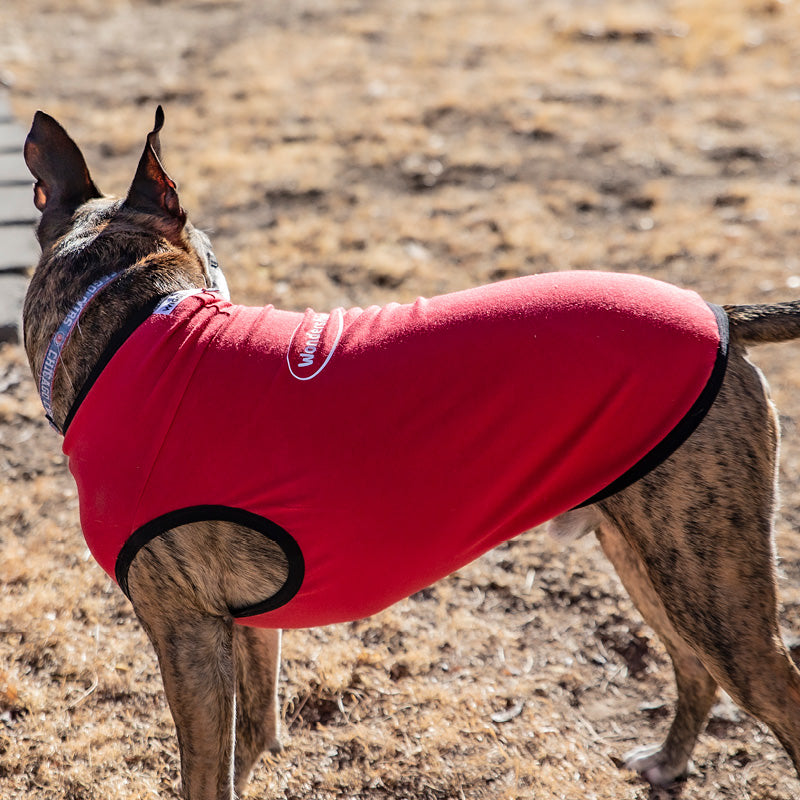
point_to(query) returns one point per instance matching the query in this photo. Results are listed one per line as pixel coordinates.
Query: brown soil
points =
(357, 152)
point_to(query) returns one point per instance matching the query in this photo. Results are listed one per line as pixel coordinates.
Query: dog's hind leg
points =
(662, 764)
(726, 613)
(256, 656)
(701, 525)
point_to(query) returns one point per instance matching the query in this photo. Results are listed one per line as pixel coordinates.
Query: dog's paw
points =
(653, 764)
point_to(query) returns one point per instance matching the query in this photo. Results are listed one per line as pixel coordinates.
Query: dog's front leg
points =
(195, 654)
(194, 645)
(256, 655)
(220, 678)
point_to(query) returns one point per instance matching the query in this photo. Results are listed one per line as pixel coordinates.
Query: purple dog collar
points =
(59, 340)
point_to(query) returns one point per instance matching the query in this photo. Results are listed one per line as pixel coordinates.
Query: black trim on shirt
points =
(218, 513)
(685, 428)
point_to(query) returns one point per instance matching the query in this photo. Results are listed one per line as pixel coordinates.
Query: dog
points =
(686, 519)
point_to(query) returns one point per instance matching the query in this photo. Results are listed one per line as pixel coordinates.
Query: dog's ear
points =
(62, 177)
(153, 191)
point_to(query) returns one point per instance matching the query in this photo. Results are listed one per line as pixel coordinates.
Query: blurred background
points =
(353, 152)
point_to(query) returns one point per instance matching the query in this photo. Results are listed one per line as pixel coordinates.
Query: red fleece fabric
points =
(392, 444)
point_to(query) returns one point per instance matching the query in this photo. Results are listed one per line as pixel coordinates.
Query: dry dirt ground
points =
(358, 152)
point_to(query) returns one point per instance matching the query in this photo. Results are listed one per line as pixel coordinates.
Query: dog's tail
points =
(762, 324)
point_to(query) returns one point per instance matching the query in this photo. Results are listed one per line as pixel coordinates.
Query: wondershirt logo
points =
(313, 344)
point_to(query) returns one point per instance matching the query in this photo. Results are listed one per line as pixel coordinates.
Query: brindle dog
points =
(692, 540)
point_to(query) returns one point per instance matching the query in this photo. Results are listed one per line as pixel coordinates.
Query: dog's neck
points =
(100, 306)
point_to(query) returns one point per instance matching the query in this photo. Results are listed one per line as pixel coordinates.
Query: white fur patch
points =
(573, 525)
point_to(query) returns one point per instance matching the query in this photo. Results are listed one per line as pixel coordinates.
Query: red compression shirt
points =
(383, 448)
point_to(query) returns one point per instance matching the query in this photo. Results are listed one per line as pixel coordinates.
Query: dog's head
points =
(75, 214)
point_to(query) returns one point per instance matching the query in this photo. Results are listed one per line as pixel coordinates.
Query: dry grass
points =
(352, 152)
